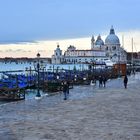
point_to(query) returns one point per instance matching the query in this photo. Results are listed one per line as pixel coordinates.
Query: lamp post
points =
(38, 95)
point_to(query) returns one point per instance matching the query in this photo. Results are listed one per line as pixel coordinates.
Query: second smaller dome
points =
(99, 41)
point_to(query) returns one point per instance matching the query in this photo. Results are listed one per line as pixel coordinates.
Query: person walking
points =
(65, 88)
(100, 81)
(125, 81)
(68, 84)
(104, 80)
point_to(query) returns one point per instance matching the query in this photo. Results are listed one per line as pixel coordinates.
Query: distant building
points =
(99, 43)
(83, 56)
(57, 58)
(136, 58)
(99, 52)
(113, 48)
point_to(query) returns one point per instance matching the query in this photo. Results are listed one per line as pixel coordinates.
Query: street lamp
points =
(38, 95)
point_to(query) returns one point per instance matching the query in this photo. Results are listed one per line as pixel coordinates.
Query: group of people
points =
(102, 81)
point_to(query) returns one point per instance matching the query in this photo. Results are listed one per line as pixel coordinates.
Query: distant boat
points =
(109, 63)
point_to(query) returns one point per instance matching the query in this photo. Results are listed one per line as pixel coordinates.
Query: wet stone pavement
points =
(90, 113)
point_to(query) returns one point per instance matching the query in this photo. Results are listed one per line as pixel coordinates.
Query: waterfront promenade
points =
(90, 113)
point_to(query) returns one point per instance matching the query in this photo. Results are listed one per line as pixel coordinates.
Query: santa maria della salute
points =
(101, 51)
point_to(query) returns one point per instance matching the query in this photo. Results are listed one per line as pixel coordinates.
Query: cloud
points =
(49, 19)
(46, 48)
(41, 51)
(2, 42)
(85, 43)
(17, 50)
(9, 50)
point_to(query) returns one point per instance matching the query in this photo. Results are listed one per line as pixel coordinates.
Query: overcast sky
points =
(36, 20)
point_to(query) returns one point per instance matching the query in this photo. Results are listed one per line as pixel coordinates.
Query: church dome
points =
(112, 38)
(99, 41)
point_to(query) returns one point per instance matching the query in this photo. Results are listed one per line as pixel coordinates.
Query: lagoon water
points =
(14, 66)
(23, 66)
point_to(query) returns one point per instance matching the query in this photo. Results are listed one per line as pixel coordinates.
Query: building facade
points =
(100, 51)
(83, 56)
(113, 48)
(57, 57)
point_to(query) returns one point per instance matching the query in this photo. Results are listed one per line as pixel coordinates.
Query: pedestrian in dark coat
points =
(100, 81)
(65, 88)
(125, 81)
(68, 84)
(104, 80)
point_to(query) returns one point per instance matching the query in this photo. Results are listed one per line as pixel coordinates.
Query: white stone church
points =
(100, 52)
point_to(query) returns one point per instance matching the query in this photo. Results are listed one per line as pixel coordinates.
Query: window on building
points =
(115, 55)
(113, 48)
(107, 54)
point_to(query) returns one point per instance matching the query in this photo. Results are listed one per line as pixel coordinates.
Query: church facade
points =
(100, 52)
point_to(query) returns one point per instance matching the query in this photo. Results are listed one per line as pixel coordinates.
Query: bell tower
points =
(92, 42)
